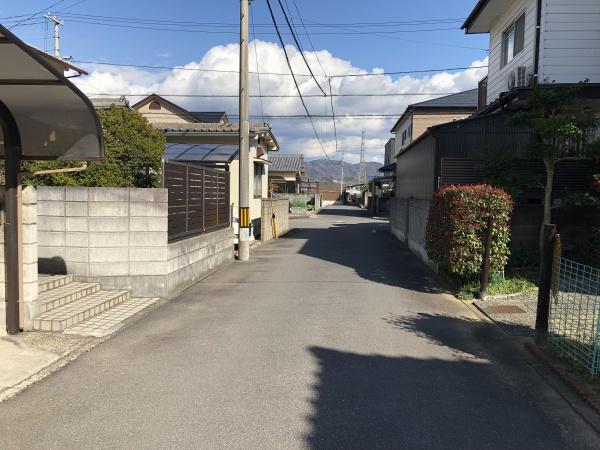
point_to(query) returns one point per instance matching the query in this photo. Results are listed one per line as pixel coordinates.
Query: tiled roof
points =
(107, 102)
(206, 127)
(286, 163)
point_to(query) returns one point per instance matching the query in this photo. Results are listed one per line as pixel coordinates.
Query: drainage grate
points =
(505, 309)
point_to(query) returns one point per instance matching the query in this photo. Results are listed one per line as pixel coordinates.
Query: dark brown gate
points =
(198, 199)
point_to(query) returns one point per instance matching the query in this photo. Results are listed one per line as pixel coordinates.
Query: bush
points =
(133, 156)
(457, 224)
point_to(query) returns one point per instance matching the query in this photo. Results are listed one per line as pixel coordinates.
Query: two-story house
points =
(418, 117)
(547, 40)
(209, 139)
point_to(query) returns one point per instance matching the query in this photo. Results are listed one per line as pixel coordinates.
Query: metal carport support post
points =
(12, 146)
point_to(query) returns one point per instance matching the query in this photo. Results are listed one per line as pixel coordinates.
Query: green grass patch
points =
(514, 285)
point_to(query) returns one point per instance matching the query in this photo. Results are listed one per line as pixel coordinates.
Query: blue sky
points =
(398, 47)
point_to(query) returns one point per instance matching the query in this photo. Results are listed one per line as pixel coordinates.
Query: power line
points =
(37, 13)
(294, 78)
(299, 46)
(399, 94)
(140, 20)
(198, 69)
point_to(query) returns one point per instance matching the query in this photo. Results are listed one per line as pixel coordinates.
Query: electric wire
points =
(198, 69)
(299, 46)
(295, 81)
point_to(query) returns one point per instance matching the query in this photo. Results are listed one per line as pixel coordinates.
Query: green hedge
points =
(457, 224)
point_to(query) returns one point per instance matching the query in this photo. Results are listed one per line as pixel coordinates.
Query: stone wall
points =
(119, 237)
(29, 237)
(280, 208)
(408, 222)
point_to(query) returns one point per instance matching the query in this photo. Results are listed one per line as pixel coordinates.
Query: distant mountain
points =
(325, 170)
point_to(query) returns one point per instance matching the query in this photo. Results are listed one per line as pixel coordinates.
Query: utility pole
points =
(342, 179)
(57, 23)
(362, 170)
(244, 197)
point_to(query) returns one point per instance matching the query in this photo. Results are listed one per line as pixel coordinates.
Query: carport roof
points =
(41, 109)
(202, 153)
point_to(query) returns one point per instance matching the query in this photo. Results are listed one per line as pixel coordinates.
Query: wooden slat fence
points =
(198, 199)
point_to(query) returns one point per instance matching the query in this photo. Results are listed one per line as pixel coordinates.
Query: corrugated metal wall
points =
(415, 170)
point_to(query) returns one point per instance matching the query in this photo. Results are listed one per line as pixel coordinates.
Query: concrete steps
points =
(47, 282)
(77, 311)
(76, 307)
(67, 293)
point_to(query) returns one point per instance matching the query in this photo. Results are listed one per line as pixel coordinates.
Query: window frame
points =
(258, 179)
(512, 36)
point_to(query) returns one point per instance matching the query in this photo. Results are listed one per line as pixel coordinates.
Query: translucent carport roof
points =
(54, 120)
(201, 153)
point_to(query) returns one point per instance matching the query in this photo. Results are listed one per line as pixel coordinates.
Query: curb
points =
(564, 375)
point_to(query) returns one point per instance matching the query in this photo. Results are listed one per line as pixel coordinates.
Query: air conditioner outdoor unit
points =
(522, 78)
(518, 78)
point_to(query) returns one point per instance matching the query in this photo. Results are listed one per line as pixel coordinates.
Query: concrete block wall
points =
(280, 207)
(117, 236)
(408, 222)
(30, 256)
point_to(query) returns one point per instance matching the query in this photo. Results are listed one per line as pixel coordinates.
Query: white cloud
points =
(294, 135)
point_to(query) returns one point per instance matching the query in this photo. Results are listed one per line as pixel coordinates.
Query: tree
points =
(133, 156)
(563, 129)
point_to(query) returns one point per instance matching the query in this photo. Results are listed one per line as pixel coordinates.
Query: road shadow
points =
(371, 251)
(347, 211)
(370, 401)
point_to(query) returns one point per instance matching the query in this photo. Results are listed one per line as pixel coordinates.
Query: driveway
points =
(334, 336)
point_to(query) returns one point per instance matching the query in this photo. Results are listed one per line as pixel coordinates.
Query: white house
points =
(551, 40)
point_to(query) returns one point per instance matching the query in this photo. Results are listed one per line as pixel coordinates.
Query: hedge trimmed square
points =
(457, 224)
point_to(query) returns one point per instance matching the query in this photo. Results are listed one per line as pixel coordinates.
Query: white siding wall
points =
(570, 50)
(498, 76)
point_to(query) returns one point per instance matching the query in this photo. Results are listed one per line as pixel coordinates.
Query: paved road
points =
(332, 337)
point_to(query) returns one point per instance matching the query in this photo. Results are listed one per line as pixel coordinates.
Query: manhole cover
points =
(505, 309)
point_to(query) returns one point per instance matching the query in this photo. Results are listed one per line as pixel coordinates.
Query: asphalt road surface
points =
(334, 336)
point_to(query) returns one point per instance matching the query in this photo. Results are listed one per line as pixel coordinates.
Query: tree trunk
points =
(550, 165)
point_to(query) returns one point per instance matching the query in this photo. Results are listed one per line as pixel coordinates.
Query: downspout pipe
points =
(12, 150)
(538, 35)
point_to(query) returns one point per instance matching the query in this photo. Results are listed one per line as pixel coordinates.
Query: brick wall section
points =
(281, 209)
(117, 236)
(30, 276)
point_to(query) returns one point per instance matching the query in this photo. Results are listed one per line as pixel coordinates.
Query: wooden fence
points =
(198, 199)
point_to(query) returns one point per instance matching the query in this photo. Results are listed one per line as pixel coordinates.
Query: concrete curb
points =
(558, 381)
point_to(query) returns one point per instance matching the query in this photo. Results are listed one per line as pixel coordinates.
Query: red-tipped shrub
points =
(457, 224)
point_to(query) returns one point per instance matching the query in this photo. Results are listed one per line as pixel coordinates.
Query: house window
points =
(259, 171)
(513, 40)
(154, 105)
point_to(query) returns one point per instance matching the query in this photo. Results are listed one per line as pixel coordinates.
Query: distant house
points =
(109, 102)
(286, 173)
(157, 109)
(214, 143)
(389, 159)
(420, 116)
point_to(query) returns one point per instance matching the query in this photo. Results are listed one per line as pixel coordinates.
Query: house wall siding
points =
(422, 121)
(570, 50)
(498, 75)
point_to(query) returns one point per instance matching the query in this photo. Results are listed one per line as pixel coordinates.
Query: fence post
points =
(545, 284)
(485, 264)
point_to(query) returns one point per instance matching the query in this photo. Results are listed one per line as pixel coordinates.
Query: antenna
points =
(362, 170)
(57, 22)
